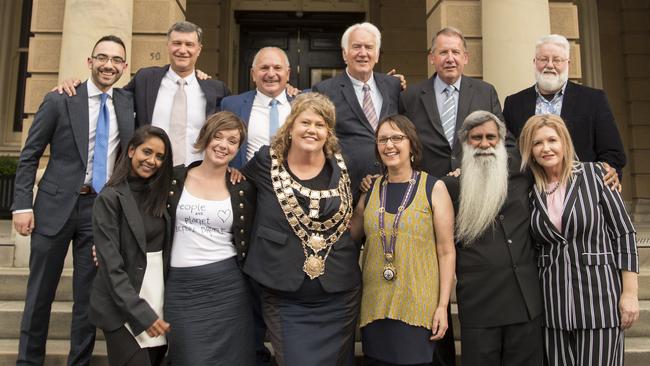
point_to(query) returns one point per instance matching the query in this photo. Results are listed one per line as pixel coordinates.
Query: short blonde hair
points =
(533, 124)
(317, 103)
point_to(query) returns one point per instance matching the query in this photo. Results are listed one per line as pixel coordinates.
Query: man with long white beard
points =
(498, 291)
(585, 110)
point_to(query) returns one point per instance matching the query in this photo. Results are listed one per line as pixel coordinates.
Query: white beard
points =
(550, 82)
(483, 190)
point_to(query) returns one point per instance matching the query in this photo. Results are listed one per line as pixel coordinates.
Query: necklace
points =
(552, 190)
(390, 272)
(313, 234)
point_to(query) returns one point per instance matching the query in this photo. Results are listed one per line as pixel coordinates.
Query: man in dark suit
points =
(498, 290)
(264, 109)
(85, 134)
(362, 98)
(439, 105)
(585, 110)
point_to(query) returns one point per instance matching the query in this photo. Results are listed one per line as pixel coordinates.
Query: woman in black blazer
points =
(206, 298)
(588, 260)
(132, 234)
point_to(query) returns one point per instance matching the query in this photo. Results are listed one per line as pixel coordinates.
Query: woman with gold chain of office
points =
(301, 252)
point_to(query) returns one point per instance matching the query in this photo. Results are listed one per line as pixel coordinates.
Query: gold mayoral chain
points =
(310, 231)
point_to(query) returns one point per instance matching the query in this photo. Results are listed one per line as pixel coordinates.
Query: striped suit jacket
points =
(580, 267)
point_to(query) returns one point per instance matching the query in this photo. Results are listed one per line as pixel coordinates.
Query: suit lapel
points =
(80, 120)
(530, 104)
(153, 85)
(132, 214)
(124, 115)
(428, 99)
(540, 201)
(567, 107)
(247, 106)
(383, 90)
(210, 97)
(572, 193)
(348, 93)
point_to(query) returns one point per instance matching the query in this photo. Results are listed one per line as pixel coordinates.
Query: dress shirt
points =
(258, 122)
(375, 95)
(94, 102)
(195, 110)
(439, 87)
(553, 106)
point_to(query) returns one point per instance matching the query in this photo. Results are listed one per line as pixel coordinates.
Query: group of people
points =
(220, 221)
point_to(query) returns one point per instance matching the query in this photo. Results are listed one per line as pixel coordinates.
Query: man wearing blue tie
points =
(85, 133)
(264, 109)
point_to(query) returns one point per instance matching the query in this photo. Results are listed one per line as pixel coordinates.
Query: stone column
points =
(84, 22)
(510, 29)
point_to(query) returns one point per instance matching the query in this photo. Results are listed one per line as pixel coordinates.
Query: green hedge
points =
(8, 166)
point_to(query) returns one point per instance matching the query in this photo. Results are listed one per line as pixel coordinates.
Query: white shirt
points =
(203, 232)
(196, 103)
(375, 95)
(94, 102)
(258, 123)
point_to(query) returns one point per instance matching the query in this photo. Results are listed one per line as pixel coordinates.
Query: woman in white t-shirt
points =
(207, 300)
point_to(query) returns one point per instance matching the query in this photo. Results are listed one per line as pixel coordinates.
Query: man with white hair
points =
(498, 291)
(362, 98)
(585, 110)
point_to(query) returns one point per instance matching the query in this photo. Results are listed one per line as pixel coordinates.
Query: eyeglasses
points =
(545, 60)
(395, 139)
(102, 59)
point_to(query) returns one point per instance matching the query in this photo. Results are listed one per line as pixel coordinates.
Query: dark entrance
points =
(311, 40)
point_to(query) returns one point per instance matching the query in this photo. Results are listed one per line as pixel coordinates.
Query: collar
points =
(359, 84)
(189, 79)
(559, 92)
(94, 91)
(439, 86)
(266, 100)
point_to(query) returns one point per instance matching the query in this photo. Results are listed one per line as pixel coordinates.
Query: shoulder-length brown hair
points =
(317, 103)
(533, 124)
(407, 127)
(220, 121)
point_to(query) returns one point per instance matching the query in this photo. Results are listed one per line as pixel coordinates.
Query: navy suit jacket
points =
(587, 115)
(241, 105)
(146, 82)
(62, 122)
(356, 135)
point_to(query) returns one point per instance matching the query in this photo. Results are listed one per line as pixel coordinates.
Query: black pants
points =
(124, 350)
(46, 261)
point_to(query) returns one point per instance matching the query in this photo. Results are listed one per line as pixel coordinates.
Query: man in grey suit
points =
(85, 134)
(362, 98)
(438, 106)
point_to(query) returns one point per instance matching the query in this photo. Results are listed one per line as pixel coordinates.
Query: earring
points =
(289, 137)
(412, 158)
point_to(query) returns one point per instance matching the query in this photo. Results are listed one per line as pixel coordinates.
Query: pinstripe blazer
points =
(580, 267)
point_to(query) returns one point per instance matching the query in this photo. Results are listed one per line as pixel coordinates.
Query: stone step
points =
(56, 353)
(637, 351)
(13, 284)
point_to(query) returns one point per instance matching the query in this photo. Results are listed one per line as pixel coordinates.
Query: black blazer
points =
(587, 115)
(418, 103)
(242, 198)
(356, 135)
(276, 256)
(146, 82)
(120, 241)
(62, 122)
(497, 282)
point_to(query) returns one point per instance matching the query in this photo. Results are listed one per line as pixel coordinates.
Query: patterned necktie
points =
(178, 124)
(448, 115)
(274, 118)
(100, 157)
(369, 108)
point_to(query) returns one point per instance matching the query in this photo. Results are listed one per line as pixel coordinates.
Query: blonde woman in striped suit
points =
(588, 260)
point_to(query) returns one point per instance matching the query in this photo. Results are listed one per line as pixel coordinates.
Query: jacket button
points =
(241, 205)
(139, 268)
(243, 255)
(514, 266)
(376, 163)
(241, 231)
(174, 181)
(501, 217)
(168, 205)
(171, 193)
(509, 241)
(241, 193)
(241, 217)
(243, 243)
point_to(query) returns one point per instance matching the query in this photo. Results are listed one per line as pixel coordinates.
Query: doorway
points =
(312, 41)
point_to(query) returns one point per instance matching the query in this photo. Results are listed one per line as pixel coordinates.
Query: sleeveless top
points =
(412, 296)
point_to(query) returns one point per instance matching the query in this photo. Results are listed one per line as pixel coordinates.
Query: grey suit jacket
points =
(62, 122)
(418, 103)
(356, 135)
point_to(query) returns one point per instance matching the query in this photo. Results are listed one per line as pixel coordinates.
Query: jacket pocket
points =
(47, 187)
(597, 259)
(271, 235)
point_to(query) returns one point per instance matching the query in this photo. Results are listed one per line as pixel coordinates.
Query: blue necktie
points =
(274, 118)
(101, 146)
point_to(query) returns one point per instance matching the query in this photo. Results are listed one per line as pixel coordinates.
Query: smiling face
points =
(107, 72)
(551, 67)
(223, 147)
(147, 157)
(361, 54)
(548, 150)
(183, 49)
(449, 57)
(270, 72)
(309, 132)
(484, 138)
(393, 154)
